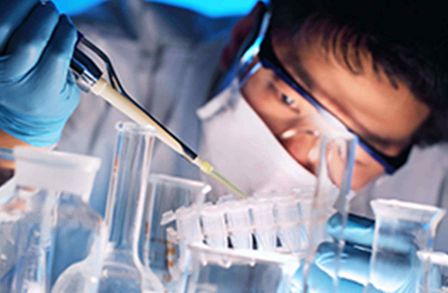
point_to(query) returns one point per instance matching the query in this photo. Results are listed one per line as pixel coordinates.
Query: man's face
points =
(383, 115)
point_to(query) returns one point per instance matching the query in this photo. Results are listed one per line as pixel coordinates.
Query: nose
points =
(303, 146)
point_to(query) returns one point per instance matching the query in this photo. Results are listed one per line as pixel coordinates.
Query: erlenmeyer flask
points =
(167, 194)
(116, 267)
(401, 229)
(28, 212)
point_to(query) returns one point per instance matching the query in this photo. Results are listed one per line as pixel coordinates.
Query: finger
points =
(358, 230)
(29, 41)
(319, 281)
(316, 280)
(392, 271)
(55, 61)
(354, 263)
(12, 14)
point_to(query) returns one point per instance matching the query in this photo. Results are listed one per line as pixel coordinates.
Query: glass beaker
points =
(28, 211)
(117, 267)
(434, 272)
(165, 194)
(401, 229)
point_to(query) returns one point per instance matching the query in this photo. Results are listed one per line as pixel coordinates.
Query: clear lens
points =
(302, 139)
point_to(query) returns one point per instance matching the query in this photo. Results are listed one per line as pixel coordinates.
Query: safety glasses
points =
(269, 60)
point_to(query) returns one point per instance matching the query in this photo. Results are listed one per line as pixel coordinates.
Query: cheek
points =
(274, 114)
(366, 171)
(362, 177)
(305, 150)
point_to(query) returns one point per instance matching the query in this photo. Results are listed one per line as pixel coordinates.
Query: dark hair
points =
(407, 40)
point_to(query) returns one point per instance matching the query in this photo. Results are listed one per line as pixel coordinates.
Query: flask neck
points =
(125, 203)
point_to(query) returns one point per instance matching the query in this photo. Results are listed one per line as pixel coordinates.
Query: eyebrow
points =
(382, 141)
(299, 70)
(361, 131)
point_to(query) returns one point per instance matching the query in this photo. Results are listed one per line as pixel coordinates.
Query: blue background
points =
(212, 8)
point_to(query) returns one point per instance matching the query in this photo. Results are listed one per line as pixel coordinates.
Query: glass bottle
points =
(116, 266)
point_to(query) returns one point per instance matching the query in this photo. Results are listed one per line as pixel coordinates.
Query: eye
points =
(287, 100)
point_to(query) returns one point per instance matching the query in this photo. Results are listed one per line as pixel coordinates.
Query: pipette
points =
(89, 78)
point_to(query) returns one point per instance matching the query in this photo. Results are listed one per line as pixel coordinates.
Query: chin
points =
(360, 182)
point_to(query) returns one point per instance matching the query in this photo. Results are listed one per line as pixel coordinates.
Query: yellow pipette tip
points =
(230, 186)
(205, 166)
(208, 169)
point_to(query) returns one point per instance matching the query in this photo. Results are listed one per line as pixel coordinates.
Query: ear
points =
(130, 14)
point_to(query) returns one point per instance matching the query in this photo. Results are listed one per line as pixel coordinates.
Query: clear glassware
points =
(401, 229)
(434, 272)
(78, 229)
(28, 207)
(167, 194)
(116, 266)
(335, 152)
(285, 230)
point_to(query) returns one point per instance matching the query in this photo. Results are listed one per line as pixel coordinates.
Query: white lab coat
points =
(170, 71)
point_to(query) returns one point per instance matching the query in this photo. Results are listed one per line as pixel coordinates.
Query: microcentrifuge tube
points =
(265, 230)
(239, 225)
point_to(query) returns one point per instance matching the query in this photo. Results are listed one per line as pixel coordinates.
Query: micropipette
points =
(89, 78)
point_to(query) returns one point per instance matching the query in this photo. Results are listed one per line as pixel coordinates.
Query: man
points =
(362, 73)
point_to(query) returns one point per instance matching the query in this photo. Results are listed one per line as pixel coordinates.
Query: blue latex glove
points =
(37, 91)
(398, 270)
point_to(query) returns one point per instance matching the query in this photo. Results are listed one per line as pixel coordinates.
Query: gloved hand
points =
(398, 273)
(37, 92)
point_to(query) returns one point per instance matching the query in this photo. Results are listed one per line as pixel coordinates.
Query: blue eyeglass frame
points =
(269, 60)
